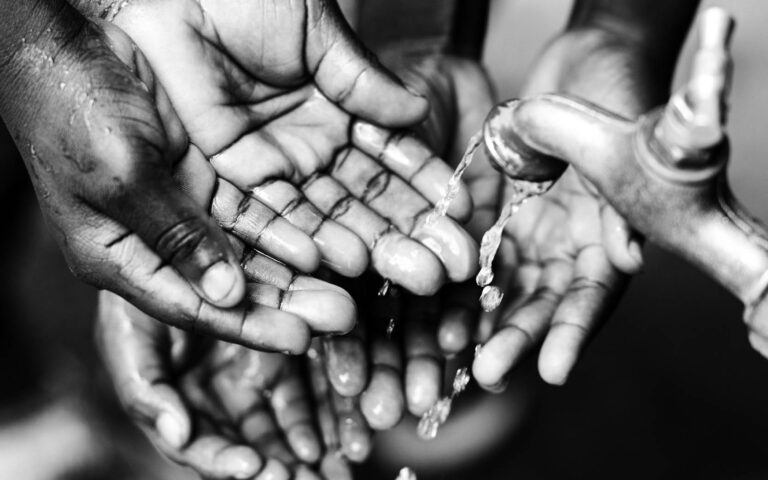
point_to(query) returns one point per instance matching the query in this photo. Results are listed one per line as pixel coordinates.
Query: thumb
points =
(350, 75)
(179, 231)
(591, 139)
(133, 346)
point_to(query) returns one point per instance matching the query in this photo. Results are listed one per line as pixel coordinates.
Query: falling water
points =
(521, 191)
(438, 413)
(454, 183)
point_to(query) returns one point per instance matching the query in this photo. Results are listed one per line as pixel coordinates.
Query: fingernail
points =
(170, 430)
(218, 281)
(498, 387)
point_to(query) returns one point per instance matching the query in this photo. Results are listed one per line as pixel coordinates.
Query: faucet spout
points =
(665, 172)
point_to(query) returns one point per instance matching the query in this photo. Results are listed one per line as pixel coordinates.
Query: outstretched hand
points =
(293, 111)
(389, 374)
(565, 255)
(219, 408)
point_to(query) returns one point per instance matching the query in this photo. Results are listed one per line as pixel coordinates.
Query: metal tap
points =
(664, 172)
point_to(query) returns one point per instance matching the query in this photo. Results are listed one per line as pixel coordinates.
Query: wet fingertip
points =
(173, 430)
(334, 467)
(239, 462)
(305, 443)
(382, 403)
(273, 470)
(554, 371)
(303, 472)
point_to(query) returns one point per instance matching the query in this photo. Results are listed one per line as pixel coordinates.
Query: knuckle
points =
(181, 240)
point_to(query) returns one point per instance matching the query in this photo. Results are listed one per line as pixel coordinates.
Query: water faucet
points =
(665, 172)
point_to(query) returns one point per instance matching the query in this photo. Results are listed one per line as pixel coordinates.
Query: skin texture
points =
(294, 110)
(298, 126)
(404, 371)
(219, 408)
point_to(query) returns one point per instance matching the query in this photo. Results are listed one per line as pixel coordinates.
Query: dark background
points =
(669, 389)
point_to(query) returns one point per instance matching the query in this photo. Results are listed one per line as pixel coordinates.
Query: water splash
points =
(491, 298)
(521, 191)
(438, 413)
(390, 327)
(385, 287)
(454, 183)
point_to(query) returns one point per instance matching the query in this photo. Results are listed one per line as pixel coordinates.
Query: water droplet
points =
(460, 381)
(312, 353)
(62, 85)
(390, 327)
(484, 277)
(385, 287)
(433, 418)
(491, 298)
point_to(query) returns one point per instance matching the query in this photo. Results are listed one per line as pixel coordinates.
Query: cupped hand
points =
(294, 112)
(221, 409)
(564, 255)
(102, 143)
(403, 370)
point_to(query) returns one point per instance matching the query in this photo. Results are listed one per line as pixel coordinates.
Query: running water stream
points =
(520, 191)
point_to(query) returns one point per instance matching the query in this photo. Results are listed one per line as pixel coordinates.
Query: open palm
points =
(278, 95)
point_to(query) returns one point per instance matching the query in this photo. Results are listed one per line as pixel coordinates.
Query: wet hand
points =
(221, 409)
(403, 371)
(282, 99)
(102, 145)
(564, 255)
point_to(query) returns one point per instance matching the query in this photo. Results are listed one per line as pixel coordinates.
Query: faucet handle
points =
(694, 119)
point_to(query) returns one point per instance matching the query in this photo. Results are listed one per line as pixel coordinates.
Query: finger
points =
(163, 294)
(326, 311)
(334, 466)
(394, 255)
(346, 362)
(342, 251)
(395, 200)
(260, 227)
(134, 349)
(522, 327)
(424, 365)
(590, 298)
(621, 245)
(458, 320)
(290, 404)
(414, 162)
(354, 434)
(213, 455)
(149, 203)
(349, 75)
(383, 402)
(243, 398)
(326, 418)
(260, 268)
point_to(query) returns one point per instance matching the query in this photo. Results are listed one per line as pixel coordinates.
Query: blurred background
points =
(669, 388)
